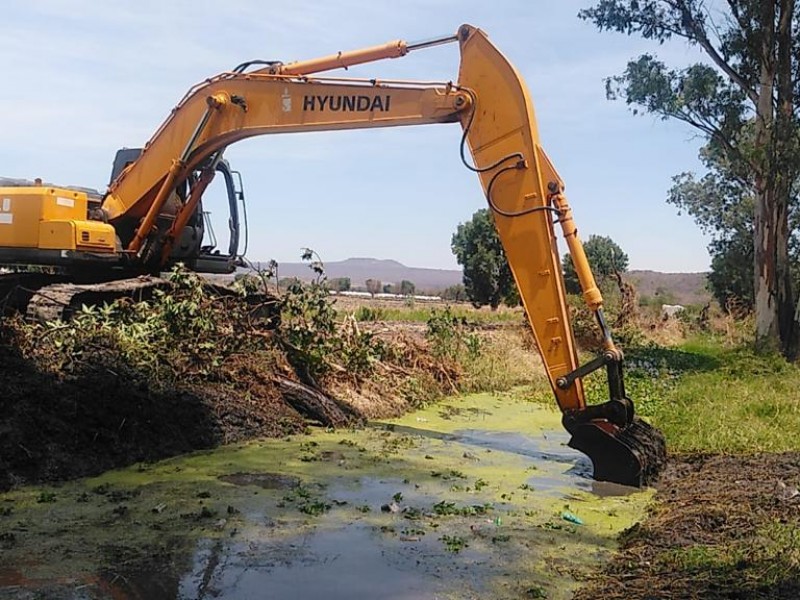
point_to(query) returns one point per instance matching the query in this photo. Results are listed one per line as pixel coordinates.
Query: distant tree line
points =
(487, 277)
(404, 288)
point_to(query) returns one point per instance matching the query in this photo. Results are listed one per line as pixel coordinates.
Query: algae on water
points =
(462, 499)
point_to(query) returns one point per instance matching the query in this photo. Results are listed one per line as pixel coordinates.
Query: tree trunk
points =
(767, 209)
(775, 307)
(785, 170)
(313, 404)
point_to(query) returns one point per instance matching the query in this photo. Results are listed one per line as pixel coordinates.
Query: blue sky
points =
(84, 77)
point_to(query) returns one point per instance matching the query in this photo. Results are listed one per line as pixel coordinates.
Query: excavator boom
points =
(152, 200)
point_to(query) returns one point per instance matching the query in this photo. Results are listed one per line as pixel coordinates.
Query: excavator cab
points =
(196, 245)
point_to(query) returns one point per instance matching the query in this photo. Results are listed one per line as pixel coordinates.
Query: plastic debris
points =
(394, 507)
(786, 492)
(568, 516)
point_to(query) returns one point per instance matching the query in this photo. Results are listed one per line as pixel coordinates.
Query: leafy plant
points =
(454, 543)
(316, 343)
(449, 336)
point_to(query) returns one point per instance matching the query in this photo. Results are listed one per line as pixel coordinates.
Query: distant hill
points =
(387, 271)
(681, 288)
(674, 288)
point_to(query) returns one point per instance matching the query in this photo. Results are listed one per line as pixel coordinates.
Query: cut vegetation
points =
(192, 369)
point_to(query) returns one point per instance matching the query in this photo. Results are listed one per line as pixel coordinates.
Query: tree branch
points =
(714, 132)
(743, 25)
(699, 35)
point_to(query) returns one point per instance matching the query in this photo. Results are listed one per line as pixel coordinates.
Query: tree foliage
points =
(455, 293)
(374, 286)
(605, 258)
(339, 284)
(722, 205)
(407, 288)
(487, 276)
(744, 100)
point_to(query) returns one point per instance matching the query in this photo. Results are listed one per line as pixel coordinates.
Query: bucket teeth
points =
(632, 456)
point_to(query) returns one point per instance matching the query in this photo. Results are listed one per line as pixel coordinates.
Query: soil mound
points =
(723, 527)
(55, 427)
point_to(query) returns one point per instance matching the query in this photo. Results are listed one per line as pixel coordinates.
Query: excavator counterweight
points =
(152, 215)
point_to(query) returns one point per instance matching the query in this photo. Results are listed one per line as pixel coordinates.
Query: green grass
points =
(413, 313)
(709, 398)
(762, 561)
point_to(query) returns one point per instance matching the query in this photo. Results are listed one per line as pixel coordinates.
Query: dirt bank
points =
(722, 527)
(193, 369)
(56, 428)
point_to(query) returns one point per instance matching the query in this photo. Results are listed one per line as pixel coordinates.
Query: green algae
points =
(496, 465)
(519, 410)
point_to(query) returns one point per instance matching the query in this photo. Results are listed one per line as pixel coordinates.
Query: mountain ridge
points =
(674, 287)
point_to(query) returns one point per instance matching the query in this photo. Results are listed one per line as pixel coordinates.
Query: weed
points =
(370, 313)
(314, 341)
(46, 497)
(412, 513)
(447, 508)
(449, 336)
(410, 312)
(451, 474)
(454, 543)
(314, 508)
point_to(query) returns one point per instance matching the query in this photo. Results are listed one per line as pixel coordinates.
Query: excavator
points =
(64, 242)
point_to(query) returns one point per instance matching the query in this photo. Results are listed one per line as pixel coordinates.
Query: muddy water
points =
(473, 498)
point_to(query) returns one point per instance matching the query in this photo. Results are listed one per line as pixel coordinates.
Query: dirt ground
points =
(60, 428)
(721, 527)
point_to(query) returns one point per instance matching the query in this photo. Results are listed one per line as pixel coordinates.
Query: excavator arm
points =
(526, 197)
(523, 190)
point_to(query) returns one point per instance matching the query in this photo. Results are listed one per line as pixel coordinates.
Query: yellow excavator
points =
(151, 216)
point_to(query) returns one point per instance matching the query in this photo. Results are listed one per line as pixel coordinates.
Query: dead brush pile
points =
(192, 369)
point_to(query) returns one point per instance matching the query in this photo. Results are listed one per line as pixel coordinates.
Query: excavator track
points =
(46, 297)
(60, 301)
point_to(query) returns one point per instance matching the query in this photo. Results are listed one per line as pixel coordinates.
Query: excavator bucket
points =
(633, 455)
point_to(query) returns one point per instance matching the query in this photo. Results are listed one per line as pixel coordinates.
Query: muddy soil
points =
(721, 527)
(54, 428)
